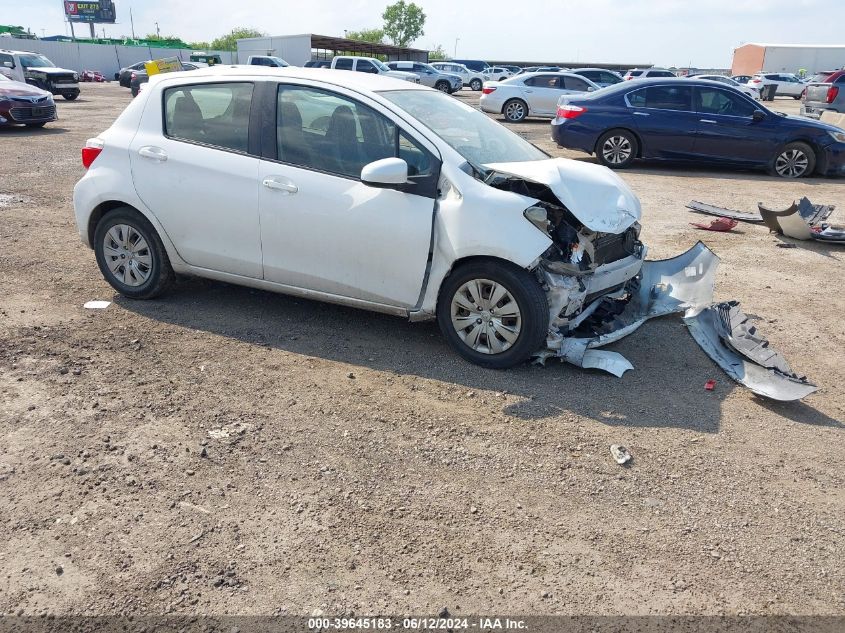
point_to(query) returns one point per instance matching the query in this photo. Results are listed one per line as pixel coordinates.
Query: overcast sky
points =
(663, 32)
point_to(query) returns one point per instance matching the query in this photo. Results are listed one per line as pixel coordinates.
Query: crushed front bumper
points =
(682, 284)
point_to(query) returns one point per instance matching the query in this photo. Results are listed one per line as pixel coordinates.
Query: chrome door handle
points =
(153, 153)
(529, 91)
(707, 121)
(642, 113)
(277, 185)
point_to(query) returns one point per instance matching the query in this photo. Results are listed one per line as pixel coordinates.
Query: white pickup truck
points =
(371, 65)
(40, 72)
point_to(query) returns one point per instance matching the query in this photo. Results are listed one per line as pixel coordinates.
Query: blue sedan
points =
(695, 120)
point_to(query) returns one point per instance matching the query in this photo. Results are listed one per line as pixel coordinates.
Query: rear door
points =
(541, 93)
(727, 131)
(194, 167)
(665, 120)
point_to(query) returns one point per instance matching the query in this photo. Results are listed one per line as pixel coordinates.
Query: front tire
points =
(794, 160)
(443, 86)
(37, 125)
(131, 256)
(70, 96)
(493, 314)
(476, 84)
(515, 110)
(617, 149)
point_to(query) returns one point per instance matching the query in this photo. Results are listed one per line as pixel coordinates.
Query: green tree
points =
(403, 22)
(229, 42)
(199, 46)
(438, 54)
(374, 36)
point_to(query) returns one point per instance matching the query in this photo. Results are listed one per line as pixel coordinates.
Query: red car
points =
(92, 75)
(25, 104)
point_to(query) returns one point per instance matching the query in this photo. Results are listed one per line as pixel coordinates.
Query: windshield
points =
(280, 61)
(476, 137)
(36, 61)
(381, 65)
(4, 78)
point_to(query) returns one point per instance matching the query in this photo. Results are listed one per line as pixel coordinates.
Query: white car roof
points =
(343, 78)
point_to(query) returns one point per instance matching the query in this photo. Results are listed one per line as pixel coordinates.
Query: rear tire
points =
(794, 160)
(37, 125)
(131, 256)
(476, 84)
(515, 110)
(617, 149)
(508, 329)
(70, 96)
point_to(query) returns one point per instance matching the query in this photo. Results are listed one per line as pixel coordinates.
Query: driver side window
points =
(714, 101)
(330, 132)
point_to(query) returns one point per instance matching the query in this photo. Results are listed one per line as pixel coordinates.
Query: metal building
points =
(787, 58)
(299, 49)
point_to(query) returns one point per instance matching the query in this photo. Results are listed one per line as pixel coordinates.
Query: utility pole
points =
(132, 22)
(158, 32)
(457, 39)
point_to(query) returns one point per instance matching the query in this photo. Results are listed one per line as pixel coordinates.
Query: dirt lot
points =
(224, 450)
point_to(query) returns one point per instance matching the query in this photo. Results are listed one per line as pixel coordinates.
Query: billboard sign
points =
(94, 12)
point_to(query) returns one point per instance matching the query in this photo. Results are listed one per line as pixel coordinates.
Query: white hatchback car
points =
(359, 190)
(531, 94)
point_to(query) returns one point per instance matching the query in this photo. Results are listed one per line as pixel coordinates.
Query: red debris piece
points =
(719, 224)
(710, 385)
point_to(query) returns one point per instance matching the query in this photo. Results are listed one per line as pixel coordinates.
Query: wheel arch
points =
(621, 128)
(108, 206)
(524, 102)
(818, 152)
(475, 259)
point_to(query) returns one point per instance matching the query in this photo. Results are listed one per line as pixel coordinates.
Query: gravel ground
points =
(229, 451)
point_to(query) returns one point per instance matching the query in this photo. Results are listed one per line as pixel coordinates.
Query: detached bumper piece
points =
(682, 284)
(724, 333)
(803, 221)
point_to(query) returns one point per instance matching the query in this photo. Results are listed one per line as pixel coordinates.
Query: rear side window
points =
(210, 114)
(543, 81)
(343, 64)
(662, 98)
(329, 132)
(592, 75)
(635, 73)
(660, 73)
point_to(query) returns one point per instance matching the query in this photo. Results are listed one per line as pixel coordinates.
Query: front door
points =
(192, 168)
(727, 130)
(322, 228)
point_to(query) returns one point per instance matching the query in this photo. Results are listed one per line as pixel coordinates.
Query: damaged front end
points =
(600, 288)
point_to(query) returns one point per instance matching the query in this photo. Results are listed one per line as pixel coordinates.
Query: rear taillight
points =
(487, 90)
(832, 93)
(756, 81)
(570, 111)
(92, 149)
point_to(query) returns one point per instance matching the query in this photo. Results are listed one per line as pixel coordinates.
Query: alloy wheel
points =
(616, 150)
(792, 163)
(486, 316)
(515, 111)
(127, 255)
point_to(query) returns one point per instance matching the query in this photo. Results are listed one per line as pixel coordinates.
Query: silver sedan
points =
(531, 94)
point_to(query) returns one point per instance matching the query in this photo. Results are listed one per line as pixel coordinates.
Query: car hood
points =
(49, 70)
(593, 194)
(20, 89)
(799, 121)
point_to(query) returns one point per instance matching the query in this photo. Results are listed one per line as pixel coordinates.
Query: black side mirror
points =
(758, 116)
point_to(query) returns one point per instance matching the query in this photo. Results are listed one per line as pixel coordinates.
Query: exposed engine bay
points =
(600, 289)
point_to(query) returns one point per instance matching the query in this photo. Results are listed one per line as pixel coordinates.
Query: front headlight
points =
(76, 76)
(539, 217)
(837, 136)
